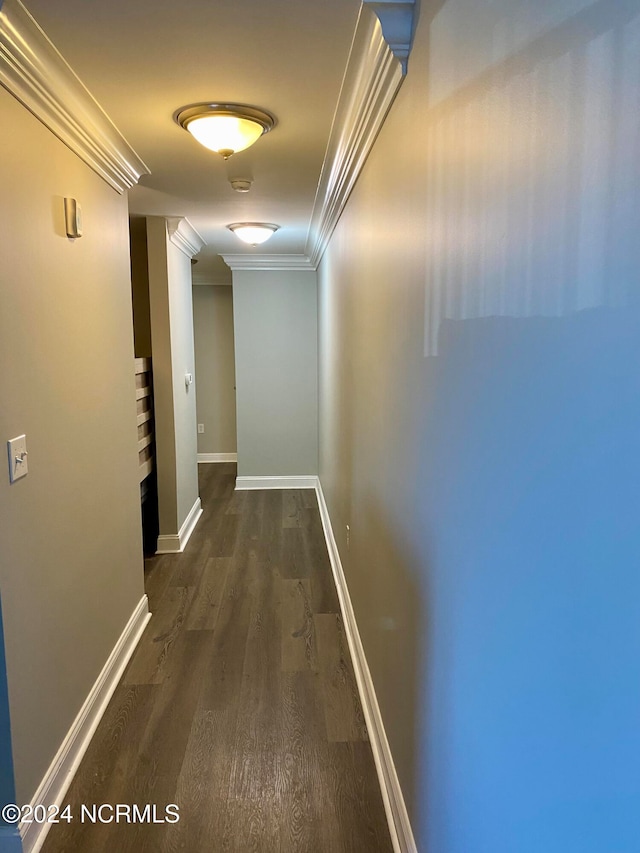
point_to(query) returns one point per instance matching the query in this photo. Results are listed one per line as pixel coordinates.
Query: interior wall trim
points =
(295, 482)
(375, 70)
(59, 776)
(175, 543)
(268, 262)
(39, 77)
(397, 21)
(183, 235)
(217, 457)
(394, 804)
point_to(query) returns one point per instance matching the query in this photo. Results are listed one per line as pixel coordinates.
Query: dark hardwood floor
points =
(240, 704)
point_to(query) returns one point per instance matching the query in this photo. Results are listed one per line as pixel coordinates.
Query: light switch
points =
(17, 448)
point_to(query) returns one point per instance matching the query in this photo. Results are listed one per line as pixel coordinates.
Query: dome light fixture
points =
(225, 128)
(253, 233)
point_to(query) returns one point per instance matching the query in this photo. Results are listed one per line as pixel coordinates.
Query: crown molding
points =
(183, 235)
(375, 70)
(268, 262)
(34, 72)
(397, 21)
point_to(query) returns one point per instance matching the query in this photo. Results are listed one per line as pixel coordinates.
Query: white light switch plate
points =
(17, 448)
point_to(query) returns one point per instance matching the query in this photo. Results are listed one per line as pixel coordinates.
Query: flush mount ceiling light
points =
(253, 232)
(225, 128)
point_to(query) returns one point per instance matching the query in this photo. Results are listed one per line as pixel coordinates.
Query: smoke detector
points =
(241, 185)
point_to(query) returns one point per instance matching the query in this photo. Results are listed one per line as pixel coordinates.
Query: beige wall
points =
(173, 356)
(479, 413)
(275, 318)
(71, 552)
(215, 368)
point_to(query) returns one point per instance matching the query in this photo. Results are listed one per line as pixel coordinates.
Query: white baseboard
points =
(217, 457)
(308, 482)
(399, 825)
(176, 543)
(58, 777)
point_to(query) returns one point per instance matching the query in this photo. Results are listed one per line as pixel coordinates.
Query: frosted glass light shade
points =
(225, 128)
(225, 133)
(253, 233)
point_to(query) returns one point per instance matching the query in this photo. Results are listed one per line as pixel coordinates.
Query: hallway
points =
(441, 336)
(240, 704)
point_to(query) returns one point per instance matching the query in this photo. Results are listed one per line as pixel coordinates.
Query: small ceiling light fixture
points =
(253, 232)
(225, 128)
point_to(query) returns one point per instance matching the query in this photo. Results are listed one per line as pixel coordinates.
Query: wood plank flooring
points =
(240, 704)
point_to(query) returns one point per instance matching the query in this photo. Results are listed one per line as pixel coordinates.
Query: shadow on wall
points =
(530, 209)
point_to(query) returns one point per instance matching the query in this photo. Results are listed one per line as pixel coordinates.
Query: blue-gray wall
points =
(480, 424)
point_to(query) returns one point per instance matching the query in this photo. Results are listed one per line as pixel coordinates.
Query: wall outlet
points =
(200, 428)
